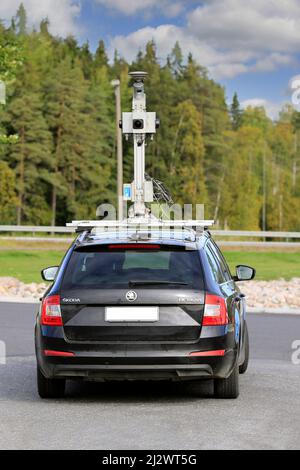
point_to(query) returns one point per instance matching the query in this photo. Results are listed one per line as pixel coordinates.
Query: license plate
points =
(131, 314)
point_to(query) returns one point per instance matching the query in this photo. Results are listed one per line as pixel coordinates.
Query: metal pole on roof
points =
(117, 87)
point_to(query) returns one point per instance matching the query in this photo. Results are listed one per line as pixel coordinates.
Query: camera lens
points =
(138, 124)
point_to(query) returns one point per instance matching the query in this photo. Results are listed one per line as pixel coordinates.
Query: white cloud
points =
(165, 37)
(62, 14)
(128, 7)
(230, 37)
(169, 8)
(272, 62)
(227, 70)
(221, 64)
(255, 24)
(272, 108)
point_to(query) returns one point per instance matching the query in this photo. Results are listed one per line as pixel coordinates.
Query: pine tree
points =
(176, 59)
(95, 184)
(13, 26)
(101, 58)
(86, 59)
(30, 156)
(44, 27)
(21, 18)
(71, 49)
(189, 152)
(83, 136)
(63, 113)
(235, 112)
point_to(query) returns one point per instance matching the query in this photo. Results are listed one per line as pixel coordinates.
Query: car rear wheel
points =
(50, 388)
(228, 388)
(243, 367)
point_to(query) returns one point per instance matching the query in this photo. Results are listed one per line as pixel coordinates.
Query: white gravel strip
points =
(18, 300)
(273, 311)
(270, 295)
(12, 287)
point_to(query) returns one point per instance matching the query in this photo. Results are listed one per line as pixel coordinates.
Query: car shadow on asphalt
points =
(137, 391)
(18, 383)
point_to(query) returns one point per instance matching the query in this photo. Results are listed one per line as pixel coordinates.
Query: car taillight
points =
(49, 352)
(134, 246)
(51, 313)
(216, 352)
(215, 311)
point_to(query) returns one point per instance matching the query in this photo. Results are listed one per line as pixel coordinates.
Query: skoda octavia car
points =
(151, 307)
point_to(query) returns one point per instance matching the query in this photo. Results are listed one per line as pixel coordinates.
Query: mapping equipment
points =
(141, 125)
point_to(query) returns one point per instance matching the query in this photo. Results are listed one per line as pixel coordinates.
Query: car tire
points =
(50, 388)
(228, 388)
(243, 367)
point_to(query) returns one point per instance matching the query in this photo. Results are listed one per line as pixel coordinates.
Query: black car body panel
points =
(141, 350)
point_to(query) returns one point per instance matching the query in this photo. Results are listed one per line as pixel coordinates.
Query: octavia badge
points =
(131, 296)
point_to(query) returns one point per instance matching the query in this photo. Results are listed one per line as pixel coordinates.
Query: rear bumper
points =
(137, 368)
(133, 372)
(140, 361)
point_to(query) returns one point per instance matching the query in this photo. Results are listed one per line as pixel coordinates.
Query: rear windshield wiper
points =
(153, 282)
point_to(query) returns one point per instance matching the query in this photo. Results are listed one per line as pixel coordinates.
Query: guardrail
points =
(219, 233)
(255, 234)
(35, 229)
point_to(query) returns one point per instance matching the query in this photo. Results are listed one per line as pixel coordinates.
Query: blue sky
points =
(98, 19)
(249, 47)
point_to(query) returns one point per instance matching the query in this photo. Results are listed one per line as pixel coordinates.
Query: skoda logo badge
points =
(131, 296)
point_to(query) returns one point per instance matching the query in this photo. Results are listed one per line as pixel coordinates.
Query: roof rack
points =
(139, 223)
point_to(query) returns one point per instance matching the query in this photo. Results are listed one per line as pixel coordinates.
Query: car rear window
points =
(105, 269)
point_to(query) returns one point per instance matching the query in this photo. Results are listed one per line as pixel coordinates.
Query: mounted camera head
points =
(139, 122)
(138, 76)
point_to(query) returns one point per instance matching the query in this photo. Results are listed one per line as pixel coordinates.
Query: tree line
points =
(242, 165)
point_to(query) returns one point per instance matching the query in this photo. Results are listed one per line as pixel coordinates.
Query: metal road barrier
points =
(255, 234)
(35, 229)
(224, 233)
(287, 238)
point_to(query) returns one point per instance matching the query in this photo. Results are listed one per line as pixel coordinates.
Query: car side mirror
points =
(49, 274)
(244, 273)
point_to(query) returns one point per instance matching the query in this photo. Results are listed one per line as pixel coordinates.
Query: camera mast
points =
(140, 125)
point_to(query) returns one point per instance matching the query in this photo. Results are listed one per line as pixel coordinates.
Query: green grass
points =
(26, 265)
(268, 265)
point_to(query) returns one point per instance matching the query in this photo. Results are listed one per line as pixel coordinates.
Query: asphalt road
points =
(156, 415)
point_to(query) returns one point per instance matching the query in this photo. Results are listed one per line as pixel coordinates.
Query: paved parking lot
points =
(155, 415)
